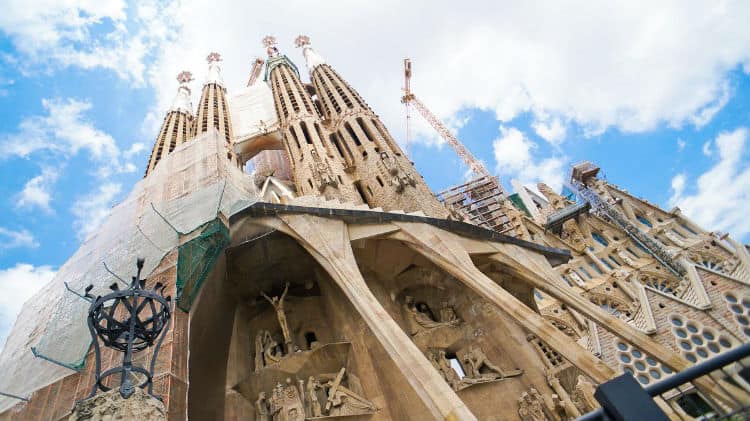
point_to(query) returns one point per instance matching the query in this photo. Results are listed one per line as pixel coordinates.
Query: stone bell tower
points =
(316, 172)
(177, 126)
(213, 110)
(383, 175)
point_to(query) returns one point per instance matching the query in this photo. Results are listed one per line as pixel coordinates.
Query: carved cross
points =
(269, 41)
(184, 77)
(213, 56)
(301, 41)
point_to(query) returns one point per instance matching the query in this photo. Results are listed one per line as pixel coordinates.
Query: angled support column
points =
(534, 269)
(327, 240)
(444, 251)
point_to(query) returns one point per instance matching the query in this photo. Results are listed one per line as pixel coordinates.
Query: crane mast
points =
(478, 201)
(409, 98)
(255, 71)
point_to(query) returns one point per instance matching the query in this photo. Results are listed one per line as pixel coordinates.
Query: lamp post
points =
(129, 321)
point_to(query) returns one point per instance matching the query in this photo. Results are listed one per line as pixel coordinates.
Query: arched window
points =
(599, 239)
(643, 221)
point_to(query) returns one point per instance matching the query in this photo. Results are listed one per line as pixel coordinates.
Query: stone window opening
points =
(358, 187)
(599, 239)
(354, 137)
(456, 365)
(422, 307)
(739, 306)
(306, 133)
(644, 221)
(310, 338)
(695, 341)
(379, 180)
(645, 368)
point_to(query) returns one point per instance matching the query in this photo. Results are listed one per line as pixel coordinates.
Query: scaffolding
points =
(479, 202)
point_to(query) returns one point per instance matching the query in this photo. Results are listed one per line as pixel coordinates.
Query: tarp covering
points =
(188, 190)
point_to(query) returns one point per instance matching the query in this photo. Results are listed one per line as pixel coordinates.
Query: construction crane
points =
(478, 201)
(409, 98)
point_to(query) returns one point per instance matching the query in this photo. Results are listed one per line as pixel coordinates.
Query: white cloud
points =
(552, 130)
(87, 34)
(91, 210)
(135, 149)
(64, 129)
(707, 148)
(721, 196)
(10, 239)
(37, 191)
(681, 145)
(514, 156)
(18, 284)
(607, 65)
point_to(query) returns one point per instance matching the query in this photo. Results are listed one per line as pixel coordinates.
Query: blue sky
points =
(657, 95)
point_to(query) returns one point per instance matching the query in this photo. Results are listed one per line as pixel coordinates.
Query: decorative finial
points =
(270, 42)
(213, 56)
(185, 77)
(301, 41)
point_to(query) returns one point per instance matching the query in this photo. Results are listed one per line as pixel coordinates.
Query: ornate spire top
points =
(312, 58)
(213, 57)
(301, 41)
(184, 77)
(181, 101)
(269, 41)
(214, 69)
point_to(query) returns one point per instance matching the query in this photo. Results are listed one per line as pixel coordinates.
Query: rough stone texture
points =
(110, 406)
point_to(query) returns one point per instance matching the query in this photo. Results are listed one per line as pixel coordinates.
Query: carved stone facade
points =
(110, 406)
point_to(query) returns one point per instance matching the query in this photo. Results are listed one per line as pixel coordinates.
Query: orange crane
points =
(410, 99)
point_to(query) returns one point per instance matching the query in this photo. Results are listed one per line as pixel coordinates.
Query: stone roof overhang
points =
(261, 209)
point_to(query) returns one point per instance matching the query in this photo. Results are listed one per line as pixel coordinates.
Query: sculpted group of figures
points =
(320, 397)
(534, 406)
(478, 369)
(421, 319)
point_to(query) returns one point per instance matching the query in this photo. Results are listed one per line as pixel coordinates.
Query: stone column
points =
(327, 240)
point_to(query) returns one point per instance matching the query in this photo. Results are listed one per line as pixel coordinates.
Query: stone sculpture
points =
(278, 305)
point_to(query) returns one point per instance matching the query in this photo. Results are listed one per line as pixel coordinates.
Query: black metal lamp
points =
(129, 320)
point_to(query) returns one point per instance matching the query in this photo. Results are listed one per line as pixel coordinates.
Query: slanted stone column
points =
(327, 240)
(444, 251)
(111, 406)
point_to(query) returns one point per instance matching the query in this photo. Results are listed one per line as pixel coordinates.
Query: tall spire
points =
(176, 128)
(312, 58)
(376, 163)
(213, 110)
(316, 170)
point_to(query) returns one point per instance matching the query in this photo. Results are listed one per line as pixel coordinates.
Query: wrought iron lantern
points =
(129, 320)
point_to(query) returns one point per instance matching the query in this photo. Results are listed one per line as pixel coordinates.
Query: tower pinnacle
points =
(214, 69)
(269, 41)
(312, 58)
(182, 101)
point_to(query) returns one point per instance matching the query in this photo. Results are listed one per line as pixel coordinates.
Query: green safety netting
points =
(196, 258)
(182, 198)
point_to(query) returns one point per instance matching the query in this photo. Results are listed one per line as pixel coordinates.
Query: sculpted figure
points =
(444, 366)
(420, 320)
(262, 411)
(565, 402)
(271, 354)
(289, 406)
(278, 305)
(530, 409)
(312, 397)
(585, 394)
(447, 314)
(625, 258)
(481, 368)
(343, 401)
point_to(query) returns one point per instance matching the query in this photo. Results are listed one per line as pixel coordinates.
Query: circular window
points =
(636, 353)
(640, 366)
(643, 379)
(651, 361)
(666, 369)
(697, 340)
(622, 347)
(708, 335)
(655, 374)
(743, 320)
(737, 309)
(676, 321)
(746, 331)
(691, 358)
(685, 345)
(725, 342)
(702, 353)
(681, 333)
(713, 347)
(628, 370)
(625, 358)
(746, 303)
(731, 298)
(691, 327)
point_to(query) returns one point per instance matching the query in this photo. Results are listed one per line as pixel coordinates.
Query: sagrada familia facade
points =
(332, 283)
